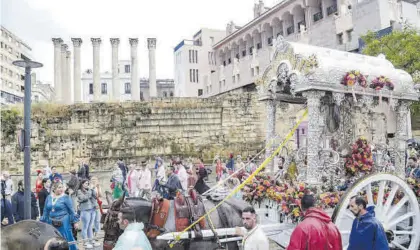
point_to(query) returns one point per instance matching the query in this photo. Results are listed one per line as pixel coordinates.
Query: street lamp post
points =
(28, 65)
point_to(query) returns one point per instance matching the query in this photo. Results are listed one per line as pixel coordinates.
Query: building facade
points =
(193, 59)
(245, 52)
(165, 87)
(12, 78)
(42, 92)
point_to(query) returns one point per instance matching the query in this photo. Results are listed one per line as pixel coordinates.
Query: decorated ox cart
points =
(353, 143)
(357, 127)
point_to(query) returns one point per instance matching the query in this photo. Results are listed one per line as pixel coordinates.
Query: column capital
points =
(77, 42)
(151, 43)
(64, 48)
(96, 41)
(57, 41)
(115, 41)
(133, 41)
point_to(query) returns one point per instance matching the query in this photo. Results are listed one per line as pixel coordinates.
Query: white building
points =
(194, 60)
(42, 92)
(245, 52)
(165, 87)
(12, 84)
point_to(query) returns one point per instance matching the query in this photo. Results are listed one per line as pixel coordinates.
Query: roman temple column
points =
(63, 80)
(116, 92)
(57, 68)
(77, 74)
(96, 43)
(67, 88)
(151, 45)
(135, 83)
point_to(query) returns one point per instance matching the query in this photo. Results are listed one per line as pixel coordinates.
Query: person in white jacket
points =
(145, 181)
(182, 175)
(254, 237)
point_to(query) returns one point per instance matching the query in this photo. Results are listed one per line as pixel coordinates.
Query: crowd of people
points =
(76, 204)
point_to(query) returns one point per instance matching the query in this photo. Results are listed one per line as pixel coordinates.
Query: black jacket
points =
(18, 206)
(42, 197)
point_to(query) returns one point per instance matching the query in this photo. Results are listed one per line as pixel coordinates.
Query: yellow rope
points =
(266, 161)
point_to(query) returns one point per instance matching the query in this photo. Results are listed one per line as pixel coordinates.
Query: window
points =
(90, 88)
(171, 94)
(36, 98)
(164, 94)
(257, 70)
(224, 63)
(196, 75)
(212, 40)
(141, 96)
(220, 85)
(340, 38)
(191, 75)
(1, 44)
(250, 50)
(127, 69)
(127, 88)
(189, 54)
(243, 53)
(104, 89)
(200, 92)
(196, 56)
(233, 79)
(237, 78)
(237, 56)
(270, 41)
(229, 61)
(303, 131)
(259, 45)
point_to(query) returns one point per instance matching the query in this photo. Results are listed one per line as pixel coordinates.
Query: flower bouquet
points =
(361, 159)
(380, 82)
(354, 77)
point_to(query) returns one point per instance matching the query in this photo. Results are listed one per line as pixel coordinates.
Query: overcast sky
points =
(170, 21)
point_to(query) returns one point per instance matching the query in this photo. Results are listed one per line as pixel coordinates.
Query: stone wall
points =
(102, 132)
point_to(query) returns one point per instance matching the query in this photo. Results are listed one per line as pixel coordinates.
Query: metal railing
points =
(332, 9)
(318, 16)
(290, 30)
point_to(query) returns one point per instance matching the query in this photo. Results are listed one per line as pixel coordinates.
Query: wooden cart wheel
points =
(400, 218)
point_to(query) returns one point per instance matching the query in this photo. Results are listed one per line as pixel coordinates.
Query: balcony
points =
(318, 16)
(331, 10)
(290, 30)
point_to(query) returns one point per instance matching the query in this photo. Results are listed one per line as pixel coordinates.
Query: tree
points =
(401, 48)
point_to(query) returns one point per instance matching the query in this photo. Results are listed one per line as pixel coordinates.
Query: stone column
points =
(116, 92)
(314, 132)
(67, 88)
(151, 45)
(64, 84)
(57, 69)
(96, 43)
(401, 137)
(135, 83)
(77, 74)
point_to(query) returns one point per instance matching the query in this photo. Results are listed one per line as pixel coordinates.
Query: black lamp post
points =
(28, 65)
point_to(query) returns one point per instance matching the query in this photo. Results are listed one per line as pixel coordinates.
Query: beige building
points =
(243, 54)
(42, 92)
(12, 77)
(194, 61)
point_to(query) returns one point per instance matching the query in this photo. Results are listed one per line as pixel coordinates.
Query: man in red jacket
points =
(316, 231)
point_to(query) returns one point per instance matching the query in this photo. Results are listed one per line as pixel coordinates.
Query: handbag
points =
(56, 223)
